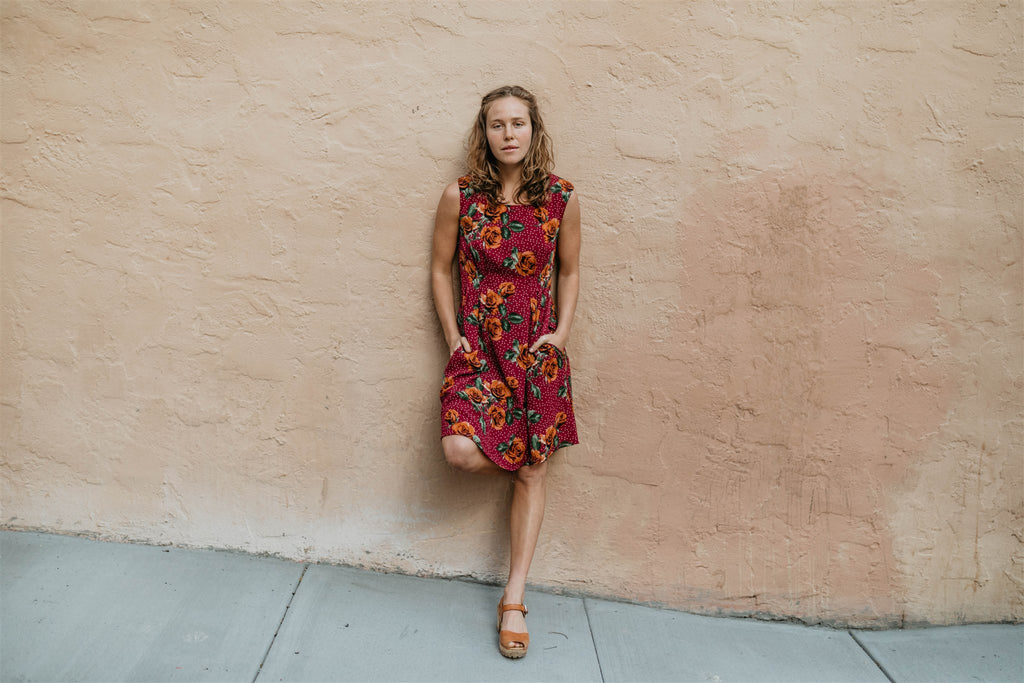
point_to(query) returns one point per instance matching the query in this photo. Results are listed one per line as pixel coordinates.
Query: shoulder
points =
(458, 189)
(461, 188)
(452, 192)
(450, 199)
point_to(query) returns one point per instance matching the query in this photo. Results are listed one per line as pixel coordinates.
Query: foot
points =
(514, 620)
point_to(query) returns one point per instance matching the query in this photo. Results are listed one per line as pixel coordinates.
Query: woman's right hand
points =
(460, 343)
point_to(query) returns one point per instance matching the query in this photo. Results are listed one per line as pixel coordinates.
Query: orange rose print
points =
(474, 395)
(497, 415)
(472, 359)
(491, 235)
(516, 451)
(549, 368)
(527, 263)
(512, 383)
(491, 299)
(451, 416)
(561, 419)
(466, 223)
(541, 214)
(493, 327)
(448, 384)
(550, 229)
(499, 390)
(506, 289)
(535, 454)
(525, 359)
(495, 211)
(470, 269)
(550, 435)
(534, 312)
(463, 429)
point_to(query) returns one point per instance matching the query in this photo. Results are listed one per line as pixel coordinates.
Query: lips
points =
(509, 149)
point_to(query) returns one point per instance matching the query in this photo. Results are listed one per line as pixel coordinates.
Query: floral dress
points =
(516, 405)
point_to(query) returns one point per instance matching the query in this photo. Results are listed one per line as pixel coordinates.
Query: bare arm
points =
(568, 275)
(445, 244)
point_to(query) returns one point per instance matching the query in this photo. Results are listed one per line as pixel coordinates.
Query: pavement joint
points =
(284, 615)
(593, 641)
(871, 656)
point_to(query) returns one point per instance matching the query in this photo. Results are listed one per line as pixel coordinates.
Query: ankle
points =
(513, 595)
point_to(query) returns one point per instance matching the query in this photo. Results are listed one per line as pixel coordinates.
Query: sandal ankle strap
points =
(514, 608)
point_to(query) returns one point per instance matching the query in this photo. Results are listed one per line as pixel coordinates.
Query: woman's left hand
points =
(554, 339)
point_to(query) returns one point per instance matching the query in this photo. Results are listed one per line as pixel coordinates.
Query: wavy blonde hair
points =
(537, 165)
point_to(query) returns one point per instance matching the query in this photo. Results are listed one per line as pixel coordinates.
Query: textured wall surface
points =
(798, 352)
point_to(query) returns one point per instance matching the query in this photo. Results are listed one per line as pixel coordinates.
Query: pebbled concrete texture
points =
(79, 610)
(798, 354)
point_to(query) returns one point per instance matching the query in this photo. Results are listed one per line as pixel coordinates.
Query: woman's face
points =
(508, 130)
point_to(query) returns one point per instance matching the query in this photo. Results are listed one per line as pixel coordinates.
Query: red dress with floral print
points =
(516, 405)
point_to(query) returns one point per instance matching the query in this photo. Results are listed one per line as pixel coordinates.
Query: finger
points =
(465, 344)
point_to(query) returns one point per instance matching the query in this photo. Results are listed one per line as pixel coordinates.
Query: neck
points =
(511, 179)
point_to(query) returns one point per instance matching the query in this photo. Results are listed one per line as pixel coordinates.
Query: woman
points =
(506, 399)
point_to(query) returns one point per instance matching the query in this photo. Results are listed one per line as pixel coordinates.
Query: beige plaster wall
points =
(798, 353)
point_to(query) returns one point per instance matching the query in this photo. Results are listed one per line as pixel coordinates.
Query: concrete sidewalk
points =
(73, 609)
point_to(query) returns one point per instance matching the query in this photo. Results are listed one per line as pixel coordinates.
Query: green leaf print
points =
(533, 416)
(512, 259)
(516, 226)
(514, 318)
(535, 390)
(561, 391)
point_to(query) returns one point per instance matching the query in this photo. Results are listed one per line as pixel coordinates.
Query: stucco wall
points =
(798, 352)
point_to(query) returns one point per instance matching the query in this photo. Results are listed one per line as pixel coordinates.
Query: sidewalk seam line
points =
(871, 656)
(277, 630)
(586, 612)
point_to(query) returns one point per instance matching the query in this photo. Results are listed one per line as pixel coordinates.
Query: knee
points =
(531, 475)
(459, 452)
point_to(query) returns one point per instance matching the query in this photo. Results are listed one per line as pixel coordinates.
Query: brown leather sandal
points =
(506, 638)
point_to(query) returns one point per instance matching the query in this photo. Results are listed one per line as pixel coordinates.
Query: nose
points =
(508, 132)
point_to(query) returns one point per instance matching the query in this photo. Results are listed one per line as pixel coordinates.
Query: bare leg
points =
(528, 496)
(463, 454)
